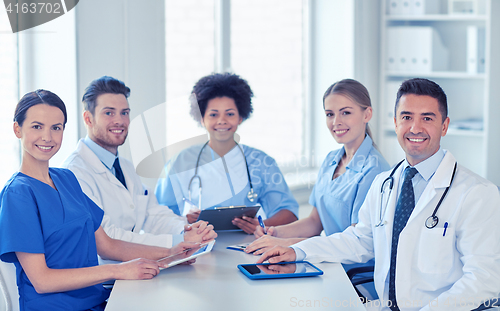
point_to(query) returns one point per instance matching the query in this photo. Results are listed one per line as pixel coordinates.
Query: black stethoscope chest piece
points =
(431, 222)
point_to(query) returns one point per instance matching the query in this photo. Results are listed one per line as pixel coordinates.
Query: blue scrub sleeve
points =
(165, 194)
(96, 212)
(276, 195)
(20, 229)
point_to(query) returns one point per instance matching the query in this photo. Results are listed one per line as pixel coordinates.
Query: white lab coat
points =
(126, 211)
(433, 272)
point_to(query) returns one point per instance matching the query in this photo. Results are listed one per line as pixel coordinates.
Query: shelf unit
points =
(470, 95)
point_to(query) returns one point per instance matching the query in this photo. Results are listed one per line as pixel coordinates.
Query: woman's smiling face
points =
(346, 120)
(221, 119)
(41, 133)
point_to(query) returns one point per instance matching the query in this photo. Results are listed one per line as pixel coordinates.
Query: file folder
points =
(416, 49)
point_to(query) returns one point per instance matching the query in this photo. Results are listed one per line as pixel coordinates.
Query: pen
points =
(262, 224)
(445, 226)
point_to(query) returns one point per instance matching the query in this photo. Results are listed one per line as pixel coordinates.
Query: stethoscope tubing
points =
(389, 179)
(432, 220)
(251, 195)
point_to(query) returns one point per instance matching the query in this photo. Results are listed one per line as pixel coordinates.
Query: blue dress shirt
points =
(106, 157)
(426, 170)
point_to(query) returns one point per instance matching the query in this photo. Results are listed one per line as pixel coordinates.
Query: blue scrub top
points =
(36, 218)
(225, 180)
(338, 200)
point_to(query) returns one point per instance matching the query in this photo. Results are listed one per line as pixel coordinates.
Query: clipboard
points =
(221, 217)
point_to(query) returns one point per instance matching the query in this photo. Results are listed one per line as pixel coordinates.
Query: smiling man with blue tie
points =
(434, 232)
(131, 211)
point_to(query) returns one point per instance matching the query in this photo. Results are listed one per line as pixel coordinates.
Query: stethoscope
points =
(251, 195)
(431, 221)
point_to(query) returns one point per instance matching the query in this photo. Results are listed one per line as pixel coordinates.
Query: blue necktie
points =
(119, 172)
(404, 207)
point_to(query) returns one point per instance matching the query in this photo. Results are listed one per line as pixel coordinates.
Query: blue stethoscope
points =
(251, 195)
(431, 221)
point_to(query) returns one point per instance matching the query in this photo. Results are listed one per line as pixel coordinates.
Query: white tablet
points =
(189, 254)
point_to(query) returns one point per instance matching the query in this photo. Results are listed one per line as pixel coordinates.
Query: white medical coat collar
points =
(106, 157)
(428, 167)
(94, 161)
(440, 180)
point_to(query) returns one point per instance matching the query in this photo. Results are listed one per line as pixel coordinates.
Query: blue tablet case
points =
(314, 271)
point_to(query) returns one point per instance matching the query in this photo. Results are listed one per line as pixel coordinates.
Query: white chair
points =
(8, 287)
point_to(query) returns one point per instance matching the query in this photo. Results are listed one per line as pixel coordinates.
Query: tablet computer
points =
(188, 254)
(221, 217)
(279, 270)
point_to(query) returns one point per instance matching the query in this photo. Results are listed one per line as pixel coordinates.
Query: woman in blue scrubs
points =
(228, 174)
(344, 177)
(51, 230)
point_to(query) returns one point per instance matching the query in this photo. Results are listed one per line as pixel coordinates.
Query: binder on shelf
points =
(423, 7)
(481, 49)
(405, 44)
(392, 52)
(467, 7)
(404, 6)
(472, 49)
(394, 8)
(475, 49)
(416, 49)
(391, 91)
(413, 7)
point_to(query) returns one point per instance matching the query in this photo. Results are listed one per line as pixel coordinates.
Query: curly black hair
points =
(221, 85)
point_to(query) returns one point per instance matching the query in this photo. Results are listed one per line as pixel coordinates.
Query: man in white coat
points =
(447, 262)
(131, 211)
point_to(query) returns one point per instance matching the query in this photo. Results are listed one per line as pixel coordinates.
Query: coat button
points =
(132, 206)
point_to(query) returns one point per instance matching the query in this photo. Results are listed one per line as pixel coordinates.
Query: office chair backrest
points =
(8, 287)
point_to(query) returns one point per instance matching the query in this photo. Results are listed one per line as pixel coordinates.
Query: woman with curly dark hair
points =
(231, 174)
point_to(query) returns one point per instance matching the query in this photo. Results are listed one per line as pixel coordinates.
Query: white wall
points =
(332, 57)
(125, 40)
(47, 60)
(367, 53)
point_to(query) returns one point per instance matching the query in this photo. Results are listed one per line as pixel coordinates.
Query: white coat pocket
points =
(435, 253)
(141, 209)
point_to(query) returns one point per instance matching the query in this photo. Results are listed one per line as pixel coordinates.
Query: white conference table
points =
(215, 283)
